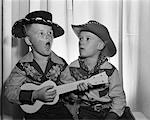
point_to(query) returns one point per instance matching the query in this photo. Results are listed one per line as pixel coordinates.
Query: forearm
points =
(118, 105)
(15, 95)
(12, 94)
(117, 94)
(12, 85)
(66, 77)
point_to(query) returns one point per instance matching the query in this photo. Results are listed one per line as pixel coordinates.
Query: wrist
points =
(34, 96)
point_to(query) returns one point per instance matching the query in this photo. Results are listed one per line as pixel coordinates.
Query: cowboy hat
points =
(101, 31)
(41, 17)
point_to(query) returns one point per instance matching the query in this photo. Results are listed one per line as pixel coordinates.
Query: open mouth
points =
(48, 46)
(81, 48)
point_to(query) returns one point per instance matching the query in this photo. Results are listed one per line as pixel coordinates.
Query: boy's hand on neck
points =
(84, 87)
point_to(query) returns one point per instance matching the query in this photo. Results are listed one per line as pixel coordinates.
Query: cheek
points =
(38, 44)
(92, 46)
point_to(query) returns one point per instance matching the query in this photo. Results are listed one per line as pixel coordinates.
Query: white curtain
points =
(130, 46)
(121, 17)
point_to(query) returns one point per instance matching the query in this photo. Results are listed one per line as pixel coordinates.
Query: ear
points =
(27, 40)
(100, 45)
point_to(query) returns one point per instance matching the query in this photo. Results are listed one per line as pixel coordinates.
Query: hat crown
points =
(39, 14)
(99, 26)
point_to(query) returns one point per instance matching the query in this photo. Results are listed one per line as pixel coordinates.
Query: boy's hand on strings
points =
(44, 94)
(84, 87)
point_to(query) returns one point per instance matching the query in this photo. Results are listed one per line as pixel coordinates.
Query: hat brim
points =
(110, 48)
(19, 31)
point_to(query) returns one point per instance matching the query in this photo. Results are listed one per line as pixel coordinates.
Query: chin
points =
(46, 54)
(83, 56)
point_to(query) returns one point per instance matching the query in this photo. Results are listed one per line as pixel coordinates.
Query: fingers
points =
(84, 87)
(73, 96)
(46, 94)
(49, 87)
(50, 95)
(90, 85)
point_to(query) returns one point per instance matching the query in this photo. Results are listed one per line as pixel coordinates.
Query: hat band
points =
(39, 19)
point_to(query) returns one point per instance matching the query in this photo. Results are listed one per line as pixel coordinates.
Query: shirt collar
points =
(29, 57)
(101, 59)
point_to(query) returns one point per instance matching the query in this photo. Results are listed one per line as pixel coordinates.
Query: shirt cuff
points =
(25, 97)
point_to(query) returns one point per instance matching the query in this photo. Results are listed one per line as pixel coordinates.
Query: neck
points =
(92, 61)
(39, 57)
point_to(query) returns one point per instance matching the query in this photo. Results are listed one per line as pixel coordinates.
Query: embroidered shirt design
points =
(31, 71)
(54, 72)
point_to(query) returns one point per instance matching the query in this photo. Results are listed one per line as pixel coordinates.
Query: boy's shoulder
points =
(27, 58)
(107, 65)
(57, 59)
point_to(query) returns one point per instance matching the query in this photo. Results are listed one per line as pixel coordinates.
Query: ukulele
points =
(97, 79)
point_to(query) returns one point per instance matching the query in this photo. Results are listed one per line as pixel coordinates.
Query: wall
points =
(130, 52)
(0, 53)
(143, 89)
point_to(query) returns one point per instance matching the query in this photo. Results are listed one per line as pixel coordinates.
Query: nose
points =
(81, 42)
(49, 36)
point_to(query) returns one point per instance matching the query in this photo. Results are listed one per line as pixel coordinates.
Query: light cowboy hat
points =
(41, 17)
(101, 31)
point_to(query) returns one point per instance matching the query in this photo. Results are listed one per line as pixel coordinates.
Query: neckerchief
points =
(96, 68)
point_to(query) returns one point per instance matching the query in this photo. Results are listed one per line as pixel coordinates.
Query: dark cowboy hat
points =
(101, 31)
(41, 17)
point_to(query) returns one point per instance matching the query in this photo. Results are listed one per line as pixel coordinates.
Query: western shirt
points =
(27, 70)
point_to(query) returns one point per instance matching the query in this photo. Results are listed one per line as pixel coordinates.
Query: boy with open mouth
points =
(105, 101)
(37, 66)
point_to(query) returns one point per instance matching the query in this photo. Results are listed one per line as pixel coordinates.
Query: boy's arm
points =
(70, 98)
(12, 89)
(66, 77)
(117, 94)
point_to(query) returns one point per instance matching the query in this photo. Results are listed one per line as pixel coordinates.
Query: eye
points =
(50, 33)
(88, 38)
(80, 38)
(41, 33)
